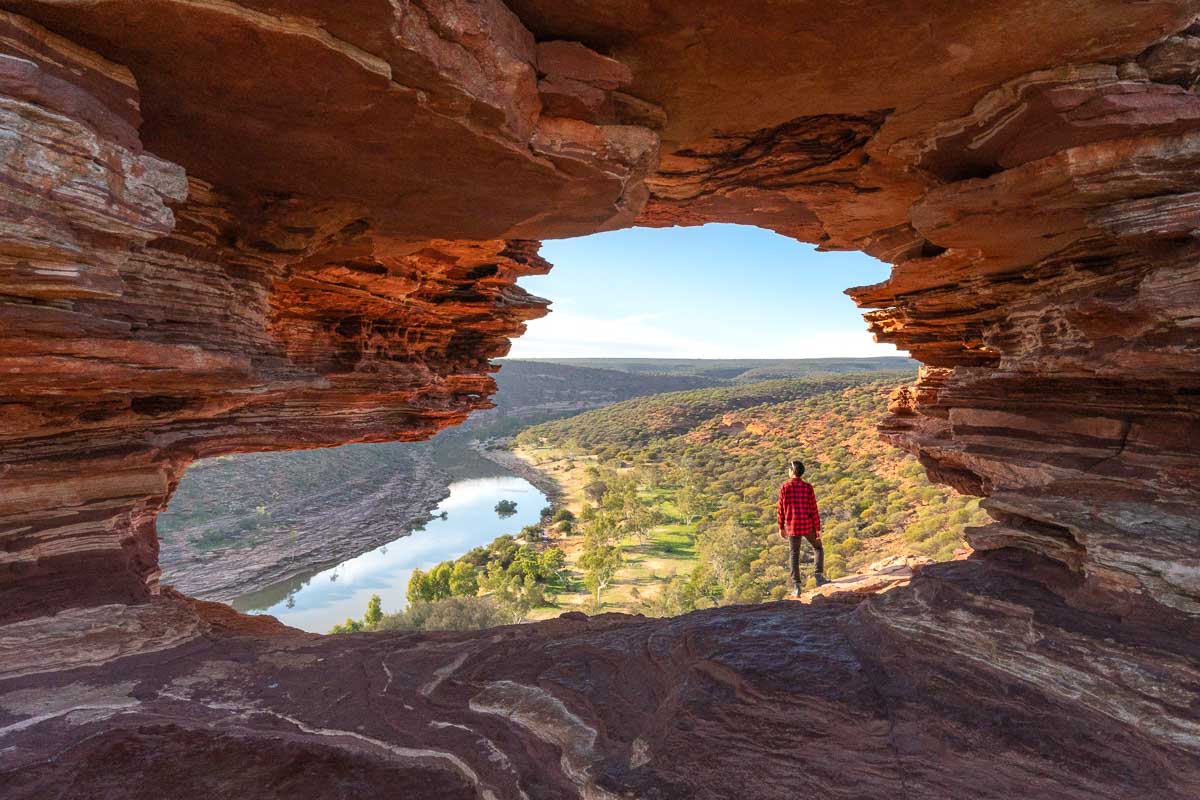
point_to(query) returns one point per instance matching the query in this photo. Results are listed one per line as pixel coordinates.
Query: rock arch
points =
(250, 225)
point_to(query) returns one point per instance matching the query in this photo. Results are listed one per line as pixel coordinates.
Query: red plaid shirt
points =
(798, 515)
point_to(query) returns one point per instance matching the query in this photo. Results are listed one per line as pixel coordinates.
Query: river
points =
(318, 600)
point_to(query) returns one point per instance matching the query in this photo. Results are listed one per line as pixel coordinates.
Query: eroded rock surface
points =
(877, 577)
(233, 226)
(773, 701)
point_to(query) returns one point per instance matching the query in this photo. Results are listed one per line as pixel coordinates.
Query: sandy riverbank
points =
(519, 465)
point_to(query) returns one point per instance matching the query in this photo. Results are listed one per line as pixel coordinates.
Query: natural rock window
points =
(250, 226)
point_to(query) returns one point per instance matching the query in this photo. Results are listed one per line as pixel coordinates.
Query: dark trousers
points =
(817, 548)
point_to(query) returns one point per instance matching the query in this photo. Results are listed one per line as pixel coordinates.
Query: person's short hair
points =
(797, 468)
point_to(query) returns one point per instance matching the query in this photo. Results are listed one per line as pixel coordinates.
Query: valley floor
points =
(668, 550)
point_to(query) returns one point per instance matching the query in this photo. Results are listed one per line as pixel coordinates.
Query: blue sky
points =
(716, 291)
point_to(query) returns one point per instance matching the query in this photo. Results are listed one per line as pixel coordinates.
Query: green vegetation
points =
(710, 462)
(369, 621)
(641, 427)
(672, 506)
(515, 579)
(275, 500)
(532, 391)
(506, 508)
(601, 556)
(447, 614)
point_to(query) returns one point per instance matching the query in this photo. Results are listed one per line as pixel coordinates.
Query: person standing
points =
(799, 519)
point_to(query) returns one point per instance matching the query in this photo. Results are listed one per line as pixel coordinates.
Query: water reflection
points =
(318, 600)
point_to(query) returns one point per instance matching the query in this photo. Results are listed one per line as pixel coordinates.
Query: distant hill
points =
(537, 391)
(527, 387)
(738, 370)
(635, 423)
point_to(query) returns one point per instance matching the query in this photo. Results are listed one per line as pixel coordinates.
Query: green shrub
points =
(448, 614)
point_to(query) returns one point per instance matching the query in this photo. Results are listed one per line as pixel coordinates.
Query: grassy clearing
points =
(666, 551)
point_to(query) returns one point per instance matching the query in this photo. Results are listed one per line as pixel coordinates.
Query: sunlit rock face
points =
(232, 226)
(153, 316)
(1031, 176)
(1063, 291)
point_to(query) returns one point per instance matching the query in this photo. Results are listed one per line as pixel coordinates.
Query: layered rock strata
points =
(773, 701)
(1036, 202)
(875, 578)
(233, 226)
(152, 318)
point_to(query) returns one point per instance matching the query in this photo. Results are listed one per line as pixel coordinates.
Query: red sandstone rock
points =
(262, 225)
(572, 61)
(913, 692)
(876, 578)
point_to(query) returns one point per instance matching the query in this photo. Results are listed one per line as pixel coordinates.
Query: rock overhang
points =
(252, 225)
(316, 237)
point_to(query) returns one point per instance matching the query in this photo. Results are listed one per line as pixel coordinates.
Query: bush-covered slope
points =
(722, 452)
(628, 428)
(530, 386)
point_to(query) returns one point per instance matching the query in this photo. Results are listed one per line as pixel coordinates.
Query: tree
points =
(464, 614)
(527, 561)
(506, 508)
(691, 504)
(463, 580)
(508, 591)
(681, 594)
(601, 529)
(596, 490)
(374, 612)
(451, 614)
(640, 519)
(554, 561)
(650, 475)
(420, 590)
(727, 550)
(533, 592)
(600, 563)
(439, 580)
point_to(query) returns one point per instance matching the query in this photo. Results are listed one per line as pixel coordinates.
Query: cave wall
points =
(232, 226)
(266, 225)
